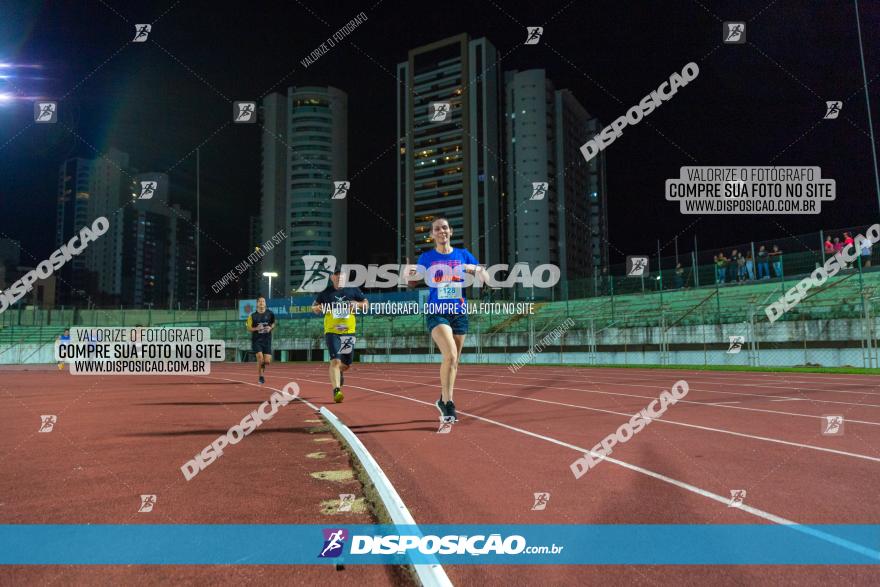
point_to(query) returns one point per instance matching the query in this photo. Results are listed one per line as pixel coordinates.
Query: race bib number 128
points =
(448, 292)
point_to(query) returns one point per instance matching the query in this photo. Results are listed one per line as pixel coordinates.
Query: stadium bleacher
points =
(840, 297)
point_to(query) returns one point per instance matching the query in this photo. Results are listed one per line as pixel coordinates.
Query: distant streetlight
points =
(270, 275)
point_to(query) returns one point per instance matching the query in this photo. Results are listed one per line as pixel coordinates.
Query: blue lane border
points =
(642, 544)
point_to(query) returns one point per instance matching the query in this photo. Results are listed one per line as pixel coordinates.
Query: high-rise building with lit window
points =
(71, 215)
(109, 192)
(305, 150)
(448, 160)
(158, 249)
(147, 255)
(567, 225)
(88, 189)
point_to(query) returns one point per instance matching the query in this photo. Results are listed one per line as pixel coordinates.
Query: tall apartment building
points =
(88, 189)
(182, 274)
(567, 224)
(158, 249)
(448, 161)
(108, 193)
(305, 150)
(71, 215)
(147, 256)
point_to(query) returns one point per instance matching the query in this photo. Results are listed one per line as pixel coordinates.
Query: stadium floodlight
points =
(270, 275)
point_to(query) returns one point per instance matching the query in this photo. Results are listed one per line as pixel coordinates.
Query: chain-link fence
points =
(712, 313)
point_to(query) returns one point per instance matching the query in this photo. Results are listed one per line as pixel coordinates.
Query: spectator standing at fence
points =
(866, 253)
(776, 258)
(733, 268)
(741, 268)
(838, 246)
(848, 240)
(720, 267)
(750, 266)
(679, 276)
(763, 263)
(829, 246)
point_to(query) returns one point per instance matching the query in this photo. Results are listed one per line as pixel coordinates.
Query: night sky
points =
(752, 104)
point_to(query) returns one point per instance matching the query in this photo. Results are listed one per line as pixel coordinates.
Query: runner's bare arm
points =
(479, 273)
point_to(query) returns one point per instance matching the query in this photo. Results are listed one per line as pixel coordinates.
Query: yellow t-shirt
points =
(339, 325)
(339, 319)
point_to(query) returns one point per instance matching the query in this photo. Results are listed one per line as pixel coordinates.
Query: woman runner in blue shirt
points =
(447, 318)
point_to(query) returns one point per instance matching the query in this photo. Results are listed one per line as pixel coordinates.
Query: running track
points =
(518, 434)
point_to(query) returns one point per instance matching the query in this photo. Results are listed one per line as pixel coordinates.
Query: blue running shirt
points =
(446, 283)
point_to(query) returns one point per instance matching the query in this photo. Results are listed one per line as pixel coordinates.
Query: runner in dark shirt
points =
(260, 324)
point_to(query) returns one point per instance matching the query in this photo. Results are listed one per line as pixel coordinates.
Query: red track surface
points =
(506, 446)
(119, 437)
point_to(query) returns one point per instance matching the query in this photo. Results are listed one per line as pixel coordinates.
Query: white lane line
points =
(430, 575)
(707, 377)
(659, 476)
(692, 388)
(717, 375)
(306, 402)
(621, 379)
(648, 397)
(593, 377)
(790, 399)
(714, 381)
(667, 421)
(663, 420)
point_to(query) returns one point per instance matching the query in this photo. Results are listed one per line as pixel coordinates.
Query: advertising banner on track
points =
(534, 544)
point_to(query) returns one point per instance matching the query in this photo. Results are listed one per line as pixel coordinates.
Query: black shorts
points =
(262, 346)
(458, 322)
(341, 346)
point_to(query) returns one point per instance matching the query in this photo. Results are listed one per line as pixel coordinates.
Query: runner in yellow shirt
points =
(338, 305)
